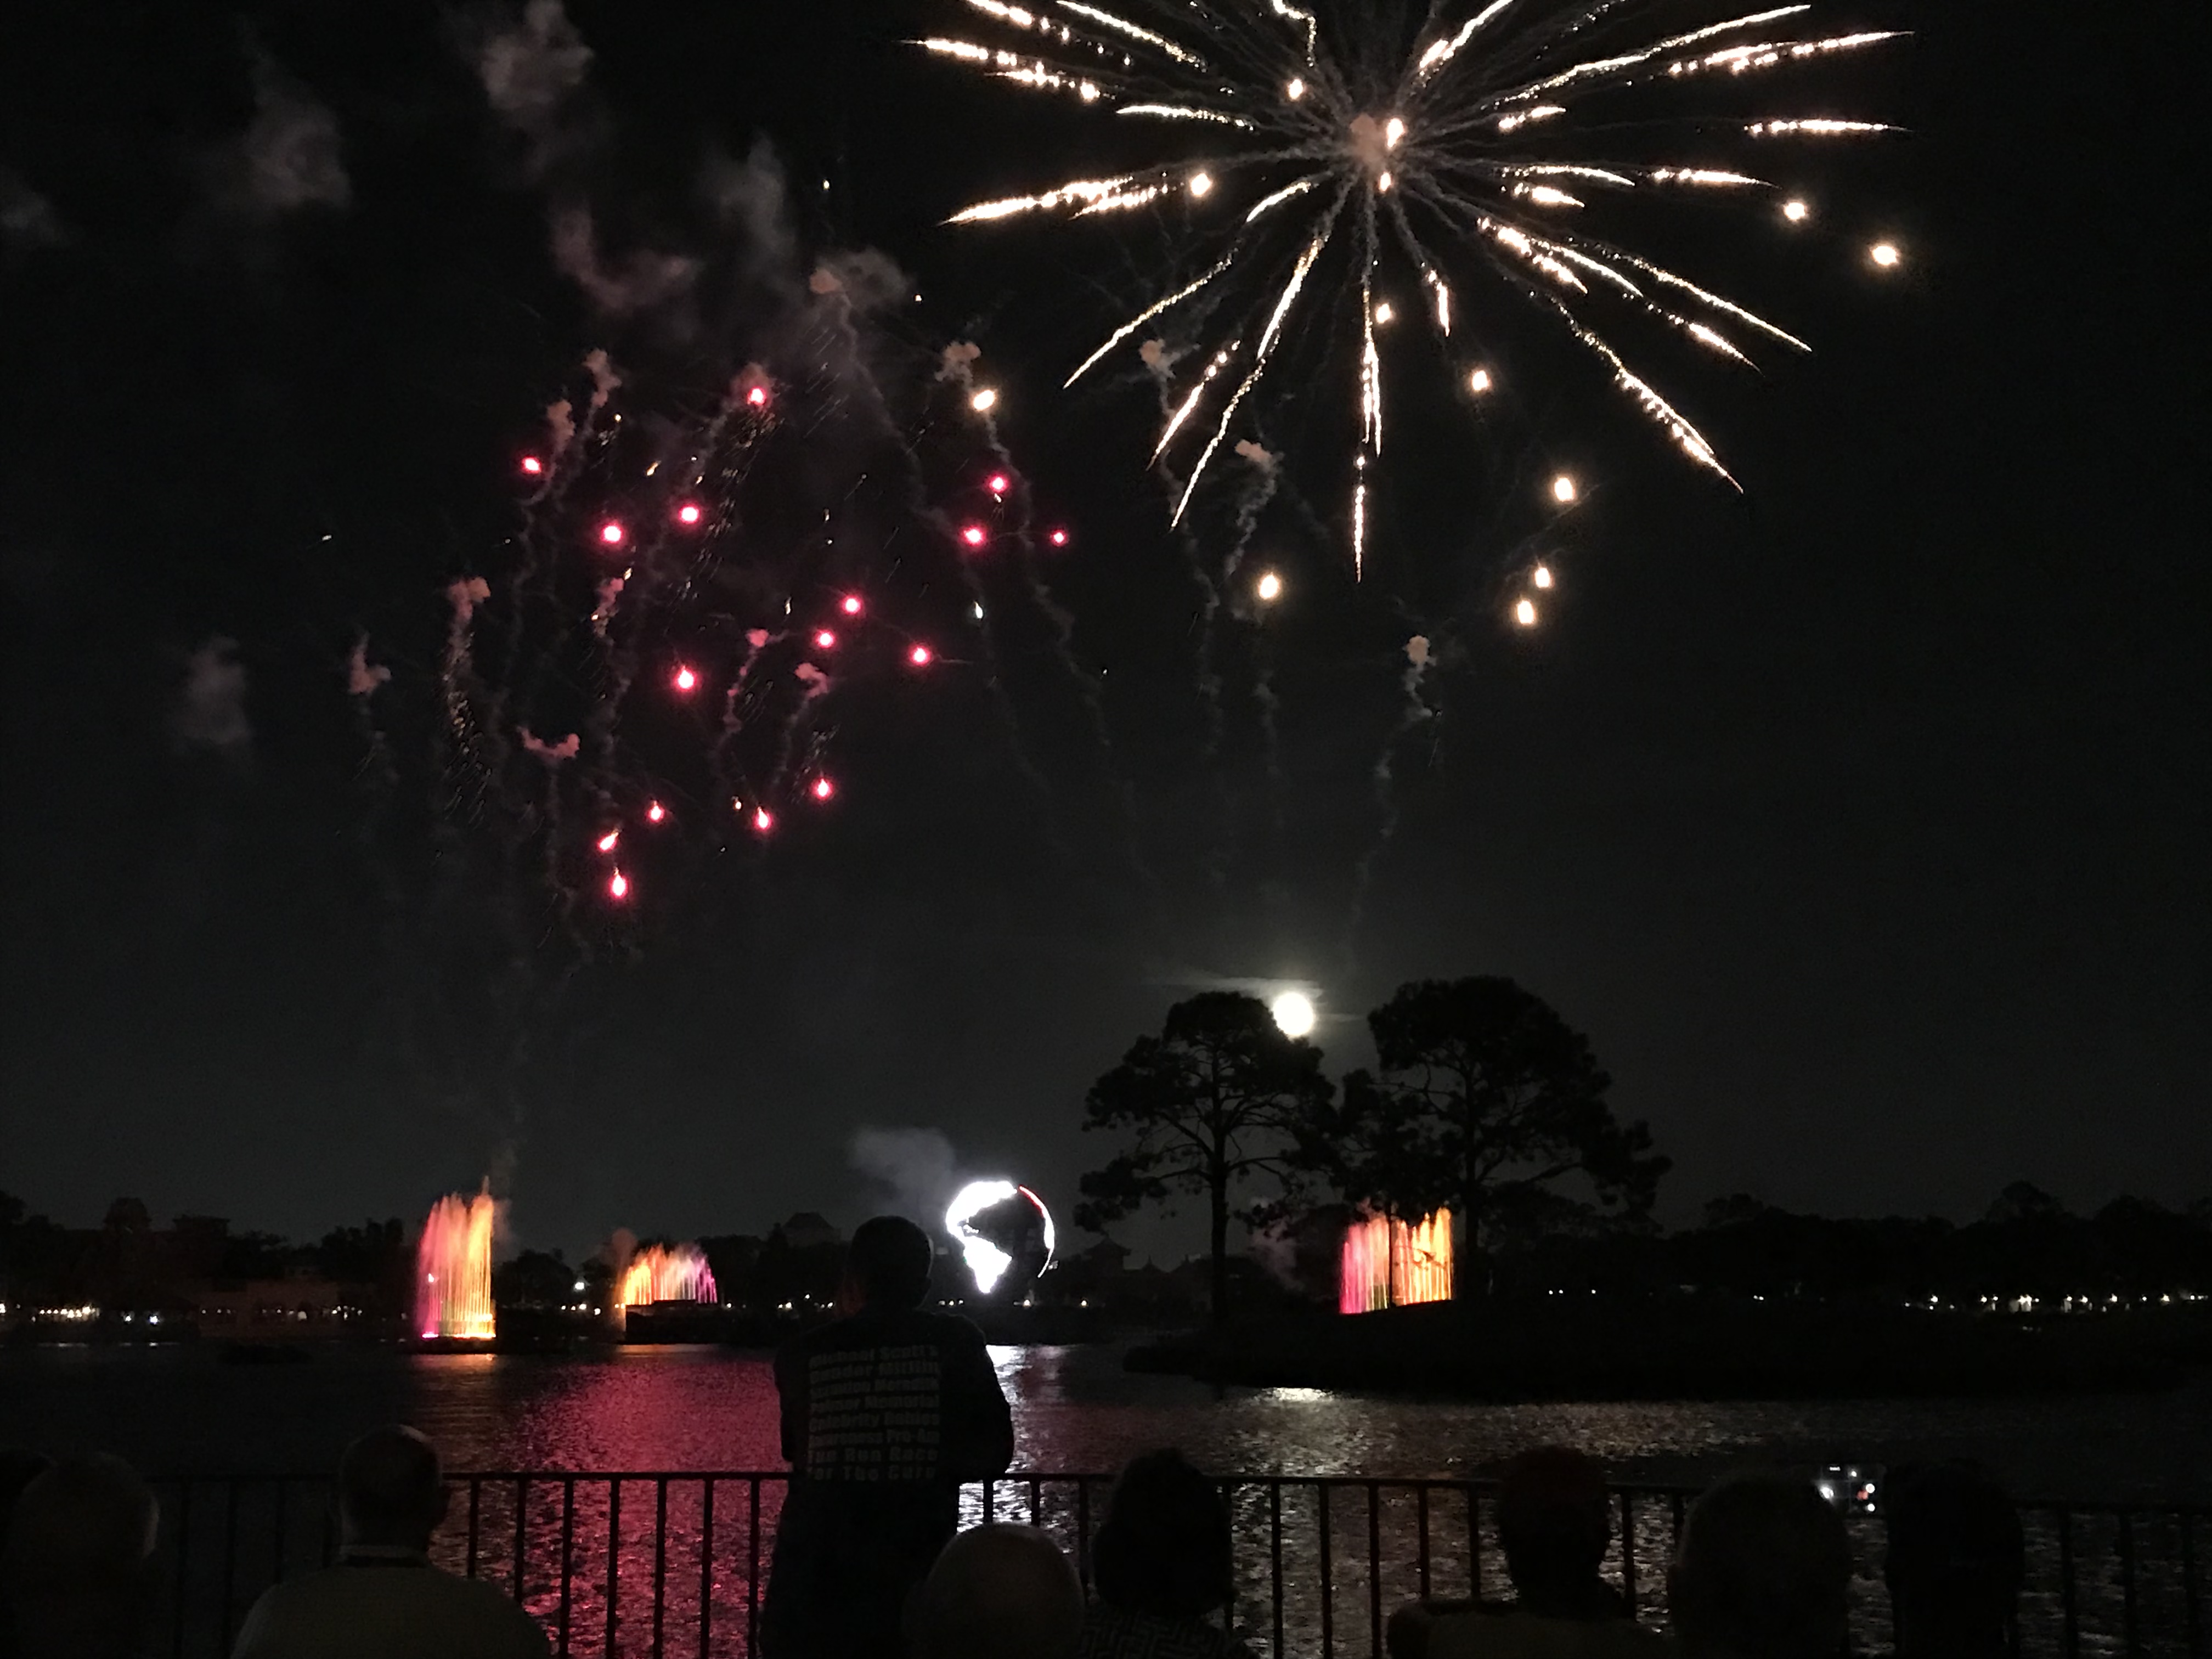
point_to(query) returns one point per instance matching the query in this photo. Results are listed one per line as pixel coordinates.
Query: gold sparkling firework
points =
(1479, 151)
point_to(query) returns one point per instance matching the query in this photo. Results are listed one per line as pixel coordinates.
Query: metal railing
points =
(675, 1565)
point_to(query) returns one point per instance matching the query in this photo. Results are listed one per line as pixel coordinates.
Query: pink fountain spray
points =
(1389, 1263)
(660, 1275)
(453, 1270)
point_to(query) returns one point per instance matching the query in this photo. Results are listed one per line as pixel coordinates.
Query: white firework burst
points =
(1475, 149)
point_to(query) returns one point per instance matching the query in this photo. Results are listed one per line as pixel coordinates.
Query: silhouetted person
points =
(384, 1599)
(1762, 1571)
(78, 1569)
(1554, 1525)
(1161, 1562)
(18, 1469)
(1955, 1562)
(885, 1412)
(995, 1592)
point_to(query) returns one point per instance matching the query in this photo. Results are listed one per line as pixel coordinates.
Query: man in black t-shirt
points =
(885, 1412)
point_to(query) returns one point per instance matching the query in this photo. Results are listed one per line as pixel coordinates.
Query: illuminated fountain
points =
(657, 1274)
(1005, 1234)
(453, 1270)
(1390, 1263)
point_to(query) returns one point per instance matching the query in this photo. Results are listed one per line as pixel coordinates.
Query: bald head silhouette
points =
(997, 1592)
(392, 1492)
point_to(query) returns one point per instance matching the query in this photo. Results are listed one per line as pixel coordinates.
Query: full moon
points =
(1294, 1013)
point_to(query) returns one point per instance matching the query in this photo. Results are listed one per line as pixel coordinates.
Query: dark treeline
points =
(2027, 1254)
(129, 1262)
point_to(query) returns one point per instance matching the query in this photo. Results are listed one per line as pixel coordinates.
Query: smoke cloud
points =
(530, 67)
(867, 281)
(27, 220)
(288, 159)
(913, 1167)
(750, 196)
(634, 282)
(551, 753)
(210, 711)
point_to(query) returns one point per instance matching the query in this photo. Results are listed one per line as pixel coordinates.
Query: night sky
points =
(1861, 821)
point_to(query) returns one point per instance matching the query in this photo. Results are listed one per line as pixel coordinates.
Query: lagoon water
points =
(181, 1411)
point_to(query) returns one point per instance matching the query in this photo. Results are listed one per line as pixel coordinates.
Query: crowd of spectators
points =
(889, 1410)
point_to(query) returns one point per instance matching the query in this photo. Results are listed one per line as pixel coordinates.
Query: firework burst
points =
(1333, 156)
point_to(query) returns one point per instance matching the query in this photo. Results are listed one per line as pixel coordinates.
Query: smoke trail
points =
(1413, 710)
(958, 368)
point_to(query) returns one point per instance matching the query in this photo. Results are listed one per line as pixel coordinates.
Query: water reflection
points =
(1075, 1409)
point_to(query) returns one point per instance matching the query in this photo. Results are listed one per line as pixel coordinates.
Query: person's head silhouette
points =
(77, 1569)
(1164, 1546)
(887, 1268)
(392, 1492)
(1553, 1524)
(1955, 1562)
(1763, 1571)
(997, 1592)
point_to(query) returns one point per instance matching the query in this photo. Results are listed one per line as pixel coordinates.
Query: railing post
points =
(183, 1582)
(706, 1562)
(2129, 1631)
(1421, 1509)
(1474, 1541)
(522, 1527)
(1375, 1566)
(614, 1560)
(229, 1560)
(476, 1499)
(752, 1569)
(1327, 1574)
(2191, 1611)
(660, 1561)
(1275, 1555)
(1082, 1531)
(1628, 1549)
(567, 1553)
(2070, 1634)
